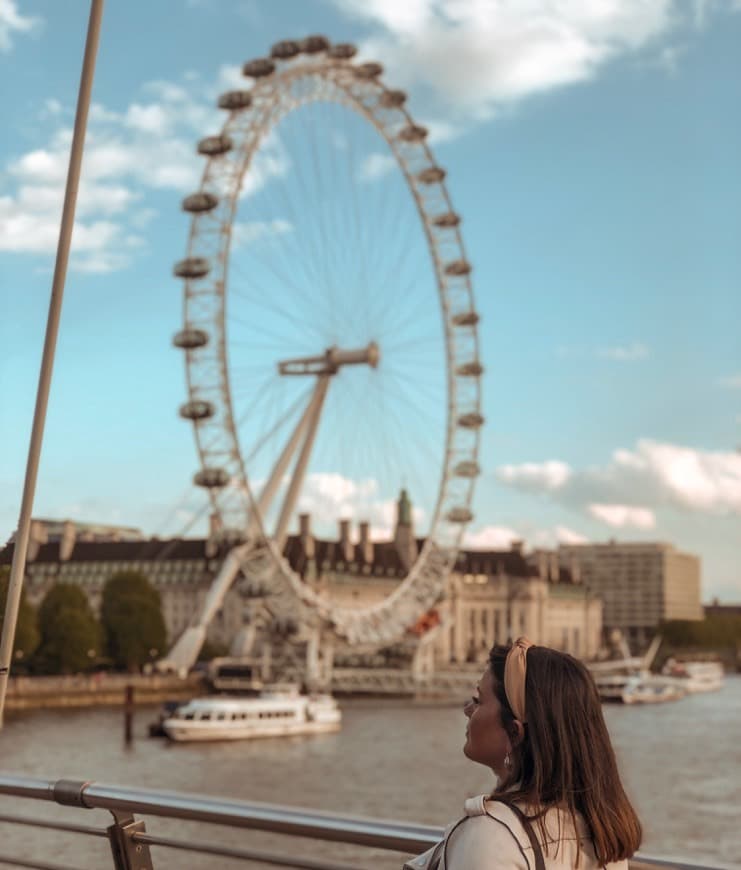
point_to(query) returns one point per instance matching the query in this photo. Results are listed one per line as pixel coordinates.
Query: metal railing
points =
(130, 843)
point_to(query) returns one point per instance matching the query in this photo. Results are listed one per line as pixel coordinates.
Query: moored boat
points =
(651, 689)
(276, 713)
(695, 676)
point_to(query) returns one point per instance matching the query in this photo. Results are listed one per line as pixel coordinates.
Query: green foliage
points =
(711, 633)
(212, 650)
(70, 633)
(132, 620)
(26, 629)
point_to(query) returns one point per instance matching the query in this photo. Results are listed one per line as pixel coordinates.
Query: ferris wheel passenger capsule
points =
(467, 468)
(342, 51)
(413, 133)
(192, 267)
(211, 478)
(213, 146)
(470, 369)
(465, 318)
(190, 339)
(370, 70)
(234, 101)
(459, 515)
(197, 409)
(314, 44)
(392, 99)
(285, 50)
(431, 175)
(200, 202)
(474, 420)
(458, 267)
(448, 220)
(258, 68)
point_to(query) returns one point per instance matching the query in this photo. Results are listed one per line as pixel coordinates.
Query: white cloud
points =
(12, 22)
(375, 166)
(565, 535)
(248, 232)
(329, 497)
(731, 382)
(624, 353)
(148, 145)
(653, 473)
(535, 476)
(491, 538)
(478, 56)
(622, 516)
(502, 537)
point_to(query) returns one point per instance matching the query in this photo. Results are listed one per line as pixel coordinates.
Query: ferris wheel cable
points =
(285, 279)
(187, 494)
(300, 402)
(269, 300)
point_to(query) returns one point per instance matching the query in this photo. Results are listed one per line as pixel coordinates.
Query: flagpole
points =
(17, 570)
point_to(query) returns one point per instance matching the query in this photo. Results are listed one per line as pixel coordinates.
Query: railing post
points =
(127, 853)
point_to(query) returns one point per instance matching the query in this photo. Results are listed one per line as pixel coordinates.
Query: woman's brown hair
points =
(566, 758)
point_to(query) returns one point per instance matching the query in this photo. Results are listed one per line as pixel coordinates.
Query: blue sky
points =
(592, 150)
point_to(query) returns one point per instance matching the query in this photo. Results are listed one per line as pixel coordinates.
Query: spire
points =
(403, 509)
(406, 545)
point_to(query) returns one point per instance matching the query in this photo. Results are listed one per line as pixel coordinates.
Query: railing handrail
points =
(397, 836)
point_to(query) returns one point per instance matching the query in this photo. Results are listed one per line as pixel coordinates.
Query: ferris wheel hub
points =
(330, 362)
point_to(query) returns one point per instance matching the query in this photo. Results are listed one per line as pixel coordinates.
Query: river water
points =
(681, 763)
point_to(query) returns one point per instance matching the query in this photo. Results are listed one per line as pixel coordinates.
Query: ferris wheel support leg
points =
(315, 408)
(319, 661)
(183, 655)
(271, 486)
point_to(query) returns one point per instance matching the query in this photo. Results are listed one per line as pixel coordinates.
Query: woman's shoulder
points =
(479, 836)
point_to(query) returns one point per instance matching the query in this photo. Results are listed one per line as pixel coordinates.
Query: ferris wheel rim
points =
(354, 86)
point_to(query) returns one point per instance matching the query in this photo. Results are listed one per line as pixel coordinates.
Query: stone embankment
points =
(98, 690)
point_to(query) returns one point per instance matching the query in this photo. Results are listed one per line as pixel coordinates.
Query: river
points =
(681, 764)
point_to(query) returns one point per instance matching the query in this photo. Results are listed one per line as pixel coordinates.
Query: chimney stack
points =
(38, 536)
(366, 545)
(346, 548)
(305, 536)
(67, 541)
(215, 529)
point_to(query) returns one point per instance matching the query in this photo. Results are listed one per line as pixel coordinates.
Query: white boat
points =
(651, 689)
(637, 687)
(276, 713)
(695, 676)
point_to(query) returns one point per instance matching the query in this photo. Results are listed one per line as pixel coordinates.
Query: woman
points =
(536, 721)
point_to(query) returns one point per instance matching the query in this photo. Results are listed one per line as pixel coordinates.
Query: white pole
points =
(52, 326)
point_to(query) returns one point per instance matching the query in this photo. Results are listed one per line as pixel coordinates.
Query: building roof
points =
(328, 555)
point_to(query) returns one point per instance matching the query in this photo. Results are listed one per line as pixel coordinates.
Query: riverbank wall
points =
(98, 690)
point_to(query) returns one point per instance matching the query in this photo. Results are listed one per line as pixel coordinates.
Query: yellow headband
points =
(515, 669)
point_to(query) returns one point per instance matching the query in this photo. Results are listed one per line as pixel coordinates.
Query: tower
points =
(404, 540)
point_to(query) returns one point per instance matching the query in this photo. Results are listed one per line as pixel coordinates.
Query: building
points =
(641, 584)
(490, 597)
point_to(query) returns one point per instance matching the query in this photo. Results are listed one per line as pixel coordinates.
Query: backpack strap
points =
(527, 824)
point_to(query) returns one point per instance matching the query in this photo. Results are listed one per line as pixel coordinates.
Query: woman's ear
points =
(516, 732)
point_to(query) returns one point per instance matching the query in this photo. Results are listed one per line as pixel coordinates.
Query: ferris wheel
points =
(330, 332)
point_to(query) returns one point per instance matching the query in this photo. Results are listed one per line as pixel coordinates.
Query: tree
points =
(70, 633)
(132, 620)
(26, 629)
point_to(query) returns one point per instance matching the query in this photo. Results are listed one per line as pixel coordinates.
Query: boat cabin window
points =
(205, 716)
(188, 715)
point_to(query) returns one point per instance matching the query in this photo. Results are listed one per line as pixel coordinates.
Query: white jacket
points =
(492, 838)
